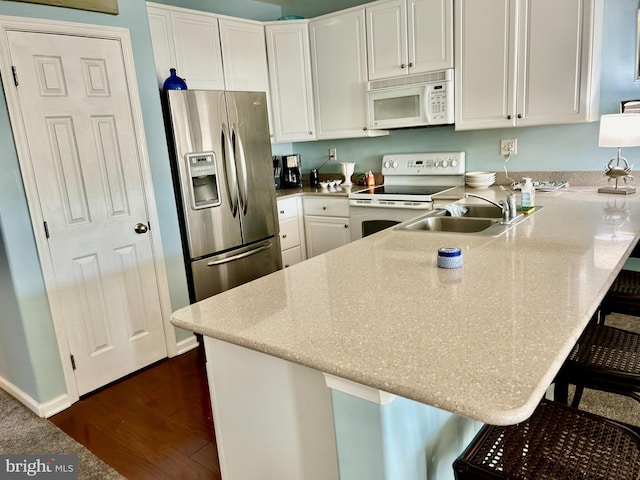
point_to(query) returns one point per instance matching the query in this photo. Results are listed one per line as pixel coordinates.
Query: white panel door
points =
(430, 32)
(326, 233)
(74, 99)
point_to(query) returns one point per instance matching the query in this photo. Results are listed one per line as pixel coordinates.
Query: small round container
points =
(449, 257)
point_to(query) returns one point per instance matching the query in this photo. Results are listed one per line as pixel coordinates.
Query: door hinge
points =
(15, 74)
(46, 229)
(73, 361)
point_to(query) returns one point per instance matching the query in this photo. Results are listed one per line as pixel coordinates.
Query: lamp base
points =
(617, 190)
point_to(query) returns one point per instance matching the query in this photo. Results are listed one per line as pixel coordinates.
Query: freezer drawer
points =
(215, 274)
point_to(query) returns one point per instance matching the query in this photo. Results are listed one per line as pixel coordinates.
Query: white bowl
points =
(478, 175)
(324, 184)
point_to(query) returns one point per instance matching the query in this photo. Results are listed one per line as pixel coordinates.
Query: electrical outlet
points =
(333, 156)
(509, 147)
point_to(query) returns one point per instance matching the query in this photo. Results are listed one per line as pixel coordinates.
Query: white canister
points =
(449, 257)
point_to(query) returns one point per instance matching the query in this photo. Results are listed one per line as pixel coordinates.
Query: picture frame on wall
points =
(102, 6)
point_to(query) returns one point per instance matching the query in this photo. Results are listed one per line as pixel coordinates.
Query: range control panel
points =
(437, 163)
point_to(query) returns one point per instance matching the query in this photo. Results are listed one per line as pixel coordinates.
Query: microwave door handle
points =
(230, 169)
(243, 182)
(427, 103)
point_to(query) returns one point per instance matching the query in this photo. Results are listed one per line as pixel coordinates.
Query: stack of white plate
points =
(479, 179)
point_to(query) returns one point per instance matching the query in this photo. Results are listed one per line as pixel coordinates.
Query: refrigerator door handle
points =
(230, 168)
(243, 184)
(240, 255)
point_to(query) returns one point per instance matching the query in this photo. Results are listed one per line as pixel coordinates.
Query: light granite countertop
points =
(484, 341)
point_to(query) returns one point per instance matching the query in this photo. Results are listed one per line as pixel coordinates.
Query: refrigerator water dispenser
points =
(204, 180)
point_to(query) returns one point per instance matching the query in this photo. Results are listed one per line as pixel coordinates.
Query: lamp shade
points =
(619, 130)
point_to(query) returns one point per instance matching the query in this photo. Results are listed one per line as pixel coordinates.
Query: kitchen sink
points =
(479, 219)
(451, 224)
(484, 211)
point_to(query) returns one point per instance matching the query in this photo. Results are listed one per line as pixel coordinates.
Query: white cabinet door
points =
(559, 61)
(290, 81)
(326, 233)
(387, 39)
(409, 36)
(164, 52)
(189, 42)
(244, 56)
(197, 44)
(339, 69)
(485, 63)
(529, 62)
(430, 35)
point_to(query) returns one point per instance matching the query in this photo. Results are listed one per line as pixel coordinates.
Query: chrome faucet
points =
(507, 207)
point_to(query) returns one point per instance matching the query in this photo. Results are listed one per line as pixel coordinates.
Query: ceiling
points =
(277, 2)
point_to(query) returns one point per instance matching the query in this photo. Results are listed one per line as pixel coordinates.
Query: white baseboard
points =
(43, 410)
(187, 344)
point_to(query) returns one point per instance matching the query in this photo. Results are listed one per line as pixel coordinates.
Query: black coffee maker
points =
(291, 171)
(277, 171)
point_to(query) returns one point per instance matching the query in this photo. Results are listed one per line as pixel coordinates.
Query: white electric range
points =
(410, 182)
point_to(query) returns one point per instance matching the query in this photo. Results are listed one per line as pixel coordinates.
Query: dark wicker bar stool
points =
(623, 296)
(604, 358)
(557, 443)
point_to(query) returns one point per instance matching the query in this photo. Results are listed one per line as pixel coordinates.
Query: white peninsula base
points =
(277, 420)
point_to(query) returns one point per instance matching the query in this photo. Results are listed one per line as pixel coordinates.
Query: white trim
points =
(187, 345)
(17, 122)
(43, 410)
(358, 390)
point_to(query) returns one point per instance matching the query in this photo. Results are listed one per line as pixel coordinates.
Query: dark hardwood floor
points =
(155, 424)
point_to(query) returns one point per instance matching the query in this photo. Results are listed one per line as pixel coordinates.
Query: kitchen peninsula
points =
(414, 356)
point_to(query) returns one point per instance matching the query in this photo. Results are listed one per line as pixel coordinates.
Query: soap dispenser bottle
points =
(528, 193)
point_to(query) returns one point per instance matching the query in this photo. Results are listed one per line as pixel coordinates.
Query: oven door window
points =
(369, 227)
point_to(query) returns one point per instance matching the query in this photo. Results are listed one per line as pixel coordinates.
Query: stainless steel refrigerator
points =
(223, 178)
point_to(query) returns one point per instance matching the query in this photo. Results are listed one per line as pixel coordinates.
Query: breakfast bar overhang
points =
(440, 350)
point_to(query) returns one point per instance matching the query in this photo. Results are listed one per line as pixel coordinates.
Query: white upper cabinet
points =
(189, 42)
(244, 55)
(290, 81)
(528, 62)
(339, 70)
(409, 36)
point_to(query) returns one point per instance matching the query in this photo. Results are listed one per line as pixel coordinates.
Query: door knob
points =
(141, 228)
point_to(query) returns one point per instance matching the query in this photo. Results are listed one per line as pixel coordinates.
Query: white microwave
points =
(411, 101)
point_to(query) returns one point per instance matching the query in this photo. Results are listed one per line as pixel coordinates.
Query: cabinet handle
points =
(284, 235)
(508, 117)
(310, 133)
(281, 212)
(410, 64)
(402, 65)
(365, 129)
(346, 226)
(286, 265)
(324, 208)
(519, 115)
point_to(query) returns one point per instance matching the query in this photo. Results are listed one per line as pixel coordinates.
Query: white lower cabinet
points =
(291, 231)
(326, 224)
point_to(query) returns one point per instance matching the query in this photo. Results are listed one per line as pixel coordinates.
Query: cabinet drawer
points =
(289, 233)
(328, 207)
(291, 256)
(287, 208)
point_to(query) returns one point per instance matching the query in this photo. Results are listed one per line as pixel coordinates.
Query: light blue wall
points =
(565, 147)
